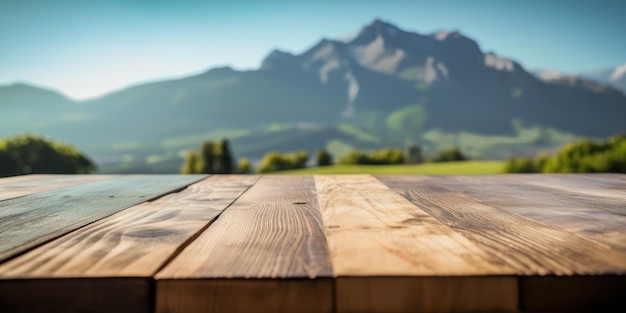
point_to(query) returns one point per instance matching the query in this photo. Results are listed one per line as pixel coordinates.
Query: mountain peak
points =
(381, 27)
(381, 23)
(277, 58)
(443, 34)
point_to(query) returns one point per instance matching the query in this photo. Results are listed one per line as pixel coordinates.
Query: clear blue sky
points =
(85, 48)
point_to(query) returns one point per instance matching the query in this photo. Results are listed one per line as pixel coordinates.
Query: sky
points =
(85, 49)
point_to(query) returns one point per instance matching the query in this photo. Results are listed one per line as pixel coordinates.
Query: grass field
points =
(447, 168)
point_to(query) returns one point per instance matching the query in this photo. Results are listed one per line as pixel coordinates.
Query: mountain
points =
(383, 87)
(30, 108)
(614, 77)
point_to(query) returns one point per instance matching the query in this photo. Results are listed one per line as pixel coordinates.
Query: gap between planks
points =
(590, 216)
(130, 245)
(546, 258)
(266, 253)
(390, 256)
(32, 220)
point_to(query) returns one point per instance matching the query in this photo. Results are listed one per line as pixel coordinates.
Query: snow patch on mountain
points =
(619, 73)
(549, 75)
(501, 64)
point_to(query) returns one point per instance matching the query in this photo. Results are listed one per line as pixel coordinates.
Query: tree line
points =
(216, 158)
(583, 156)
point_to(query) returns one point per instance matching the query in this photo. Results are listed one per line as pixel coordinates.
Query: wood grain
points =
(135, 242)
(603, 186)
(31, 220)
(587, 215)
(533, 248)
(129, 246)
(328, 243)
(18, 186)
(374, 233)
(527, 245)
(273, 231)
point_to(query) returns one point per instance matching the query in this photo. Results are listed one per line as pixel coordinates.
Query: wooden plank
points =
(531, 247)
(581, 214)
(18, 186)
(265, 253)
(386, 253)
(135, 242)
(527, 245)
(129, 245)
(587, 185)
(29, 221)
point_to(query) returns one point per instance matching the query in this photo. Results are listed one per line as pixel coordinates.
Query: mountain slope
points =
(385, 86)
(34, 109)
(614, 77)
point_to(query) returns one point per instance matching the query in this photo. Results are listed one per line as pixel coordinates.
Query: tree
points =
(324, 158)
(28, 154)
(191, 164)
(208, 158)
(387, 156)
(583, 156)
(414, 154)
(243, 166)
(273, 161)
(355, 157)
(449, 155)
(376, 157)
(297, 159)
(225, 158)
(587, 156)
(520, 165)
(213, 159)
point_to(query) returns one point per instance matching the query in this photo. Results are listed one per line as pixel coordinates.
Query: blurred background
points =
(431, 87)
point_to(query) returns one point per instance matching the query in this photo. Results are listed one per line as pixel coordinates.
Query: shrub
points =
(28, 154)
(274, 161)
(449, 155)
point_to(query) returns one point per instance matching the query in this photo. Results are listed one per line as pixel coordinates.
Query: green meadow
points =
(444, 168)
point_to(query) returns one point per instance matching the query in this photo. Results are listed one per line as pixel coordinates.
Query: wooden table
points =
(323, 243)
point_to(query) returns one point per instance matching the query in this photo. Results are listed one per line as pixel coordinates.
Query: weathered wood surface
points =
(536, 250)
(590, 215)
(374, 233)
(531, 247)
(34, 219)
(323, 243)
(270, 243)
(135, 242)
(18, 186)
(600, 185)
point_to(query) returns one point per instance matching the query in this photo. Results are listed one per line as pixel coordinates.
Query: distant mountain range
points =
(615, 77)
(384, 87)
(612, 77)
